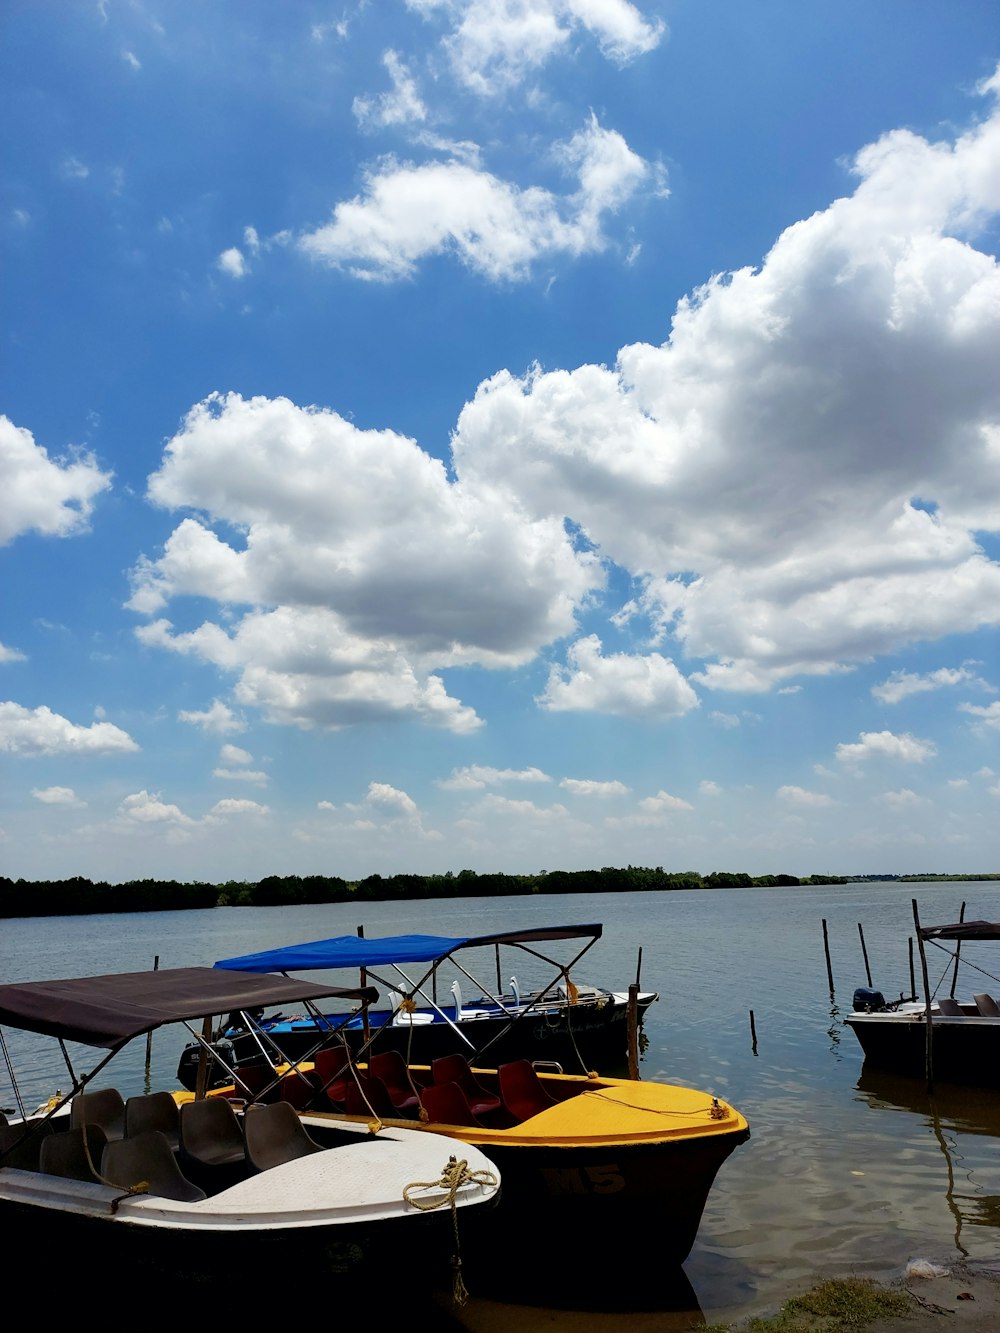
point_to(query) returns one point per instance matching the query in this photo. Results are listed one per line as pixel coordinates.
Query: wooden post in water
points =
(929, 1057)
(633, 1031)
(826, 950)
(753, 1033)
(149, 1035)
(864, 954)
(201, 1083)
(958, 950)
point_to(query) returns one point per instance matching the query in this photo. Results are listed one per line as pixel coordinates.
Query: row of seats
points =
(986, 1007)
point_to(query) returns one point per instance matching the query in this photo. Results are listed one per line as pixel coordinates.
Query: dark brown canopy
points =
(963, 930)
(108, 1011)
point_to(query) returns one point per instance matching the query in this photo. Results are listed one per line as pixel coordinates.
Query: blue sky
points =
(499, 434)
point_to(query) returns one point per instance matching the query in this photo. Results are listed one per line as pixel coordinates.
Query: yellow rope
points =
(453, 1177)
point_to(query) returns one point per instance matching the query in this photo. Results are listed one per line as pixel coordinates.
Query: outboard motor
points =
(868, 1001)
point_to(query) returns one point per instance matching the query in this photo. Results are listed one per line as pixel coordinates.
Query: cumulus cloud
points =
(591, 787)
(345, 626)
(143, 807)
(906, 749)
(494, 45)
(219, 718)
(241, 775)
(409, 212)
(989, 715)
(627, 684)
(663, 803)
(53, 497)
(797, 476)
(56, 796)
(232, 806)
(801, 796)
(35, 731)
(478, 776)
(400, 106)
(232, 754)
(901, 684)
(11, 654)
(232, 263)
(902, 799)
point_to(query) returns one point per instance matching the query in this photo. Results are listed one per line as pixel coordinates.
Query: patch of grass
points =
(836, 1306)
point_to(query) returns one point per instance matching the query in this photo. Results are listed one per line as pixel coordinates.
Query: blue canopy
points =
(357, 952)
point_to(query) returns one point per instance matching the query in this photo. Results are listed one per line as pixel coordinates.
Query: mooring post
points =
(913, 980)
(958, 951)
(149, 1035)
(633, 1032)
(753, 1033)
(826, 950)
(864, 954)
(929, 1048)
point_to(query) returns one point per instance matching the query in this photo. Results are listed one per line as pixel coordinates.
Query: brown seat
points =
(391, 1068)
(74, 1153)
(522, 1090)
(147, 1159)
(155, 1110)
(987, 1006)
(274, 1134)
(447, 1104)
(212, 1151)
(367, 1095)
(21, 1144)
(104, 1107)
(300, 1090)
(951, 1008)
(331, 1065)
(256, 1083)
(456, 1069)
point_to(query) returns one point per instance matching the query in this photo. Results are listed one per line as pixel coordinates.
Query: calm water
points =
(846, 1172)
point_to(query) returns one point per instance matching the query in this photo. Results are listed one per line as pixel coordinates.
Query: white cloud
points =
(988, 715)
(143, 807)
(232, 263)
(477, 776)
(798, 475)
(709, 788)
(132, 60)
(901, 684)
(626, 684)
(35, 731)
(663, 803)
(56, 796)
(527, 810)
(219, 719)
(390, 799)
(232, 754)
(409, 212)
(885, 745)
(592, 787)
(496, 44)
(241, 775)
(53, 497)
(11, 654)
(903, 799)
(401, 106)
(231, 806)
(801, 796)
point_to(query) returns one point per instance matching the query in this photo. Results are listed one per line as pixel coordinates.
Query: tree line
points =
(79, 896)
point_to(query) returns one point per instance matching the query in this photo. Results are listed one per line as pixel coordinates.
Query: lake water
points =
(846, 1172)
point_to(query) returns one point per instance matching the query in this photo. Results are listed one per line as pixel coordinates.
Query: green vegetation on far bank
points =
(78, 896)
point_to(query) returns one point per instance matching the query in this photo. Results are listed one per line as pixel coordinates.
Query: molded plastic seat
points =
(456, 1069)
(987, 1006)
(946, 1005)
(256, 1083)
(275, 1134)
(447, 1104)
(74, 1153)
(210, 1133)
(104, 1107)
(155, 1110)
(300, 1091)
(147, 1159)
(522, 1090)
(391, 1068)
(331, 1066)
(368, 1096)
(21, 1145)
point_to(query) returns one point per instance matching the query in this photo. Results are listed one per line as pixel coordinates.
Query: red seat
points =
(522, 1090)
(300, 1090)
(447, 1104)
(367, 1096)
(331, 1065)
(391, 1068)
(456, 1069)
(255, 1083)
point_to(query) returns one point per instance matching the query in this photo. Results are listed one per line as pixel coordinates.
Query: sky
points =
(506, 435)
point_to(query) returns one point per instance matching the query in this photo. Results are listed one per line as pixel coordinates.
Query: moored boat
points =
(572, 1025)
(96, 1169)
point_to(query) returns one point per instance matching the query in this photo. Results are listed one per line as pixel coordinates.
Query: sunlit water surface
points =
(847, 1172)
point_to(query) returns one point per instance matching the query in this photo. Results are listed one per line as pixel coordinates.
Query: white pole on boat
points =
(929, 1048)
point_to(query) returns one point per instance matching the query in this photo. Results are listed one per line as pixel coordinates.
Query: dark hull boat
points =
(574, 1027)
(962, 1044)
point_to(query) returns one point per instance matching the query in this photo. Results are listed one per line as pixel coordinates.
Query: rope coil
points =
(455, 1174)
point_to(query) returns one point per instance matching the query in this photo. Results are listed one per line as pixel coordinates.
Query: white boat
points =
(96, 1167)
(937, 1037)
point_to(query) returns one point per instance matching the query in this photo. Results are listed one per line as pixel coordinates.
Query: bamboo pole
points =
(958, 950)
(826, 950)
(753, 1033)
(864, 954)
(633, 1032)
(929, 1048)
